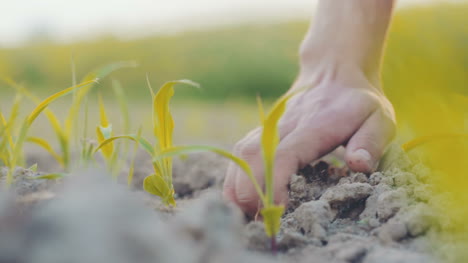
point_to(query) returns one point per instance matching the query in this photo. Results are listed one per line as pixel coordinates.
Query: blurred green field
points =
(243, 61)
(234, 62)
(427, 52)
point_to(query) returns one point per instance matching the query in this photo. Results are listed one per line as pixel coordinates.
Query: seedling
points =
(65, 132)
(160, 182)
(15, 147)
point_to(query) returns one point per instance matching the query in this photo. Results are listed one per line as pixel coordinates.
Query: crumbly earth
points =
(333, 216)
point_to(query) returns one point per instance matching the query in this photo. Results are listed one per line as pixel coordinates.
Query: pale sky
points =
(69, 20)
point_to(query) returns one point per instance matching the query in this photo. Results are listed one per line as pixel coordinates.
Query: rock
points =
(347, 200)
(401, 178)
(298, 192)
(419, 219)
(370, 212)
(346, 192)
(390, 202)
(311, 219)
(392, 231)
(359, 178)
(291, 239)
(375, 178)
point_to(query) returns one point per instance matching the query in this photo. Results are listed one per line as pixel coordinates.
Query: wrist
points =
(350, 32)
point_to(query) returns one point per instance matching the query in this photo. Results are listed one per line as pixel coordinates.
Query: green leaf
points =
(272, 219)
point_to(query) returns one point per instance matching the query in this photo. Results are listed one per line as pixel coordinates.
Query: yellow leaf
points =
(163, 123)
(81, 94)
(154, 184)
(9, 126)
(270, 139)
(104, 131)
(50, 99)
(107, 149)
(63, 139)
(46, 146)
(272, 219)
(425, 139)
(102, 112)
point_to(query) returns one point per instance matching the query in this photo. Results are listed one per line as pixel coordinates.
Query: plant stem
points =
(274, 247)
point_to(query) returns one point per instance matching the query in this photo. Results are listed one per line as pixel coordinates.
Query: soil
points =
(333, 216)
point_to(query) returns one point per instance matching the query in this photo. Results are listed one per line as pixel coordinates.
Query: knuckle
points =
(247, 199)
(247, 150)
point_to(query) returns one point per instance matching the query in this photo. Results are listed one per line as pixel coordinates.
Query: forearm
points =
(349, 31)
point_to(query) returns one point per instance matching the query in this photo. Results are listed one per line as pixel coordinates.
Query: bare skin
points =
(340, 61)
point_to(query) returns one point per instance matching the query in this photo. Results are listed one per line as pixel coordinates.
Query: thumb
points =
(367, 145)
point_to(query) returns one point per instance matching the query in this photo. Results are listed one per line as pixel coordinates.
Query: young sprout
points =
(270, 211)
(160, 182)
(66, 131)
(6, 137)
(104, 132)
(16, 147)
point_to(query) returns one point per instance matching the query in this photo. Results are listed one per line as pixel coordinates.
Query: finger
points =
(300, 147)
(286, 164)
(229, 186)
(246, 195)
(367, 145)
(249, 149)
(233, 171)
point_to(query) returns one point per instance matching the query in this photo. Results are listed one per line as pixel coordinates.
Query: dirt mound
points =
(334, 216)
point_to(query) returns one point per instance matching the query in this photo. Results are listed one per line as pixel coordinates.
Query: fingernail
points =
(365, 156)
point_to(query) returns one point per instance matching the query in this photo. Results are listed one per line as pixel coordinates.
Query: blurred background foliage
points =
(425, 72)
(426, 45)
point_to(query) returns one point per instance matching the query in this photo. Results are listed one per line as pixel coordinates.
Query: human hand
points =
(342, 106)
